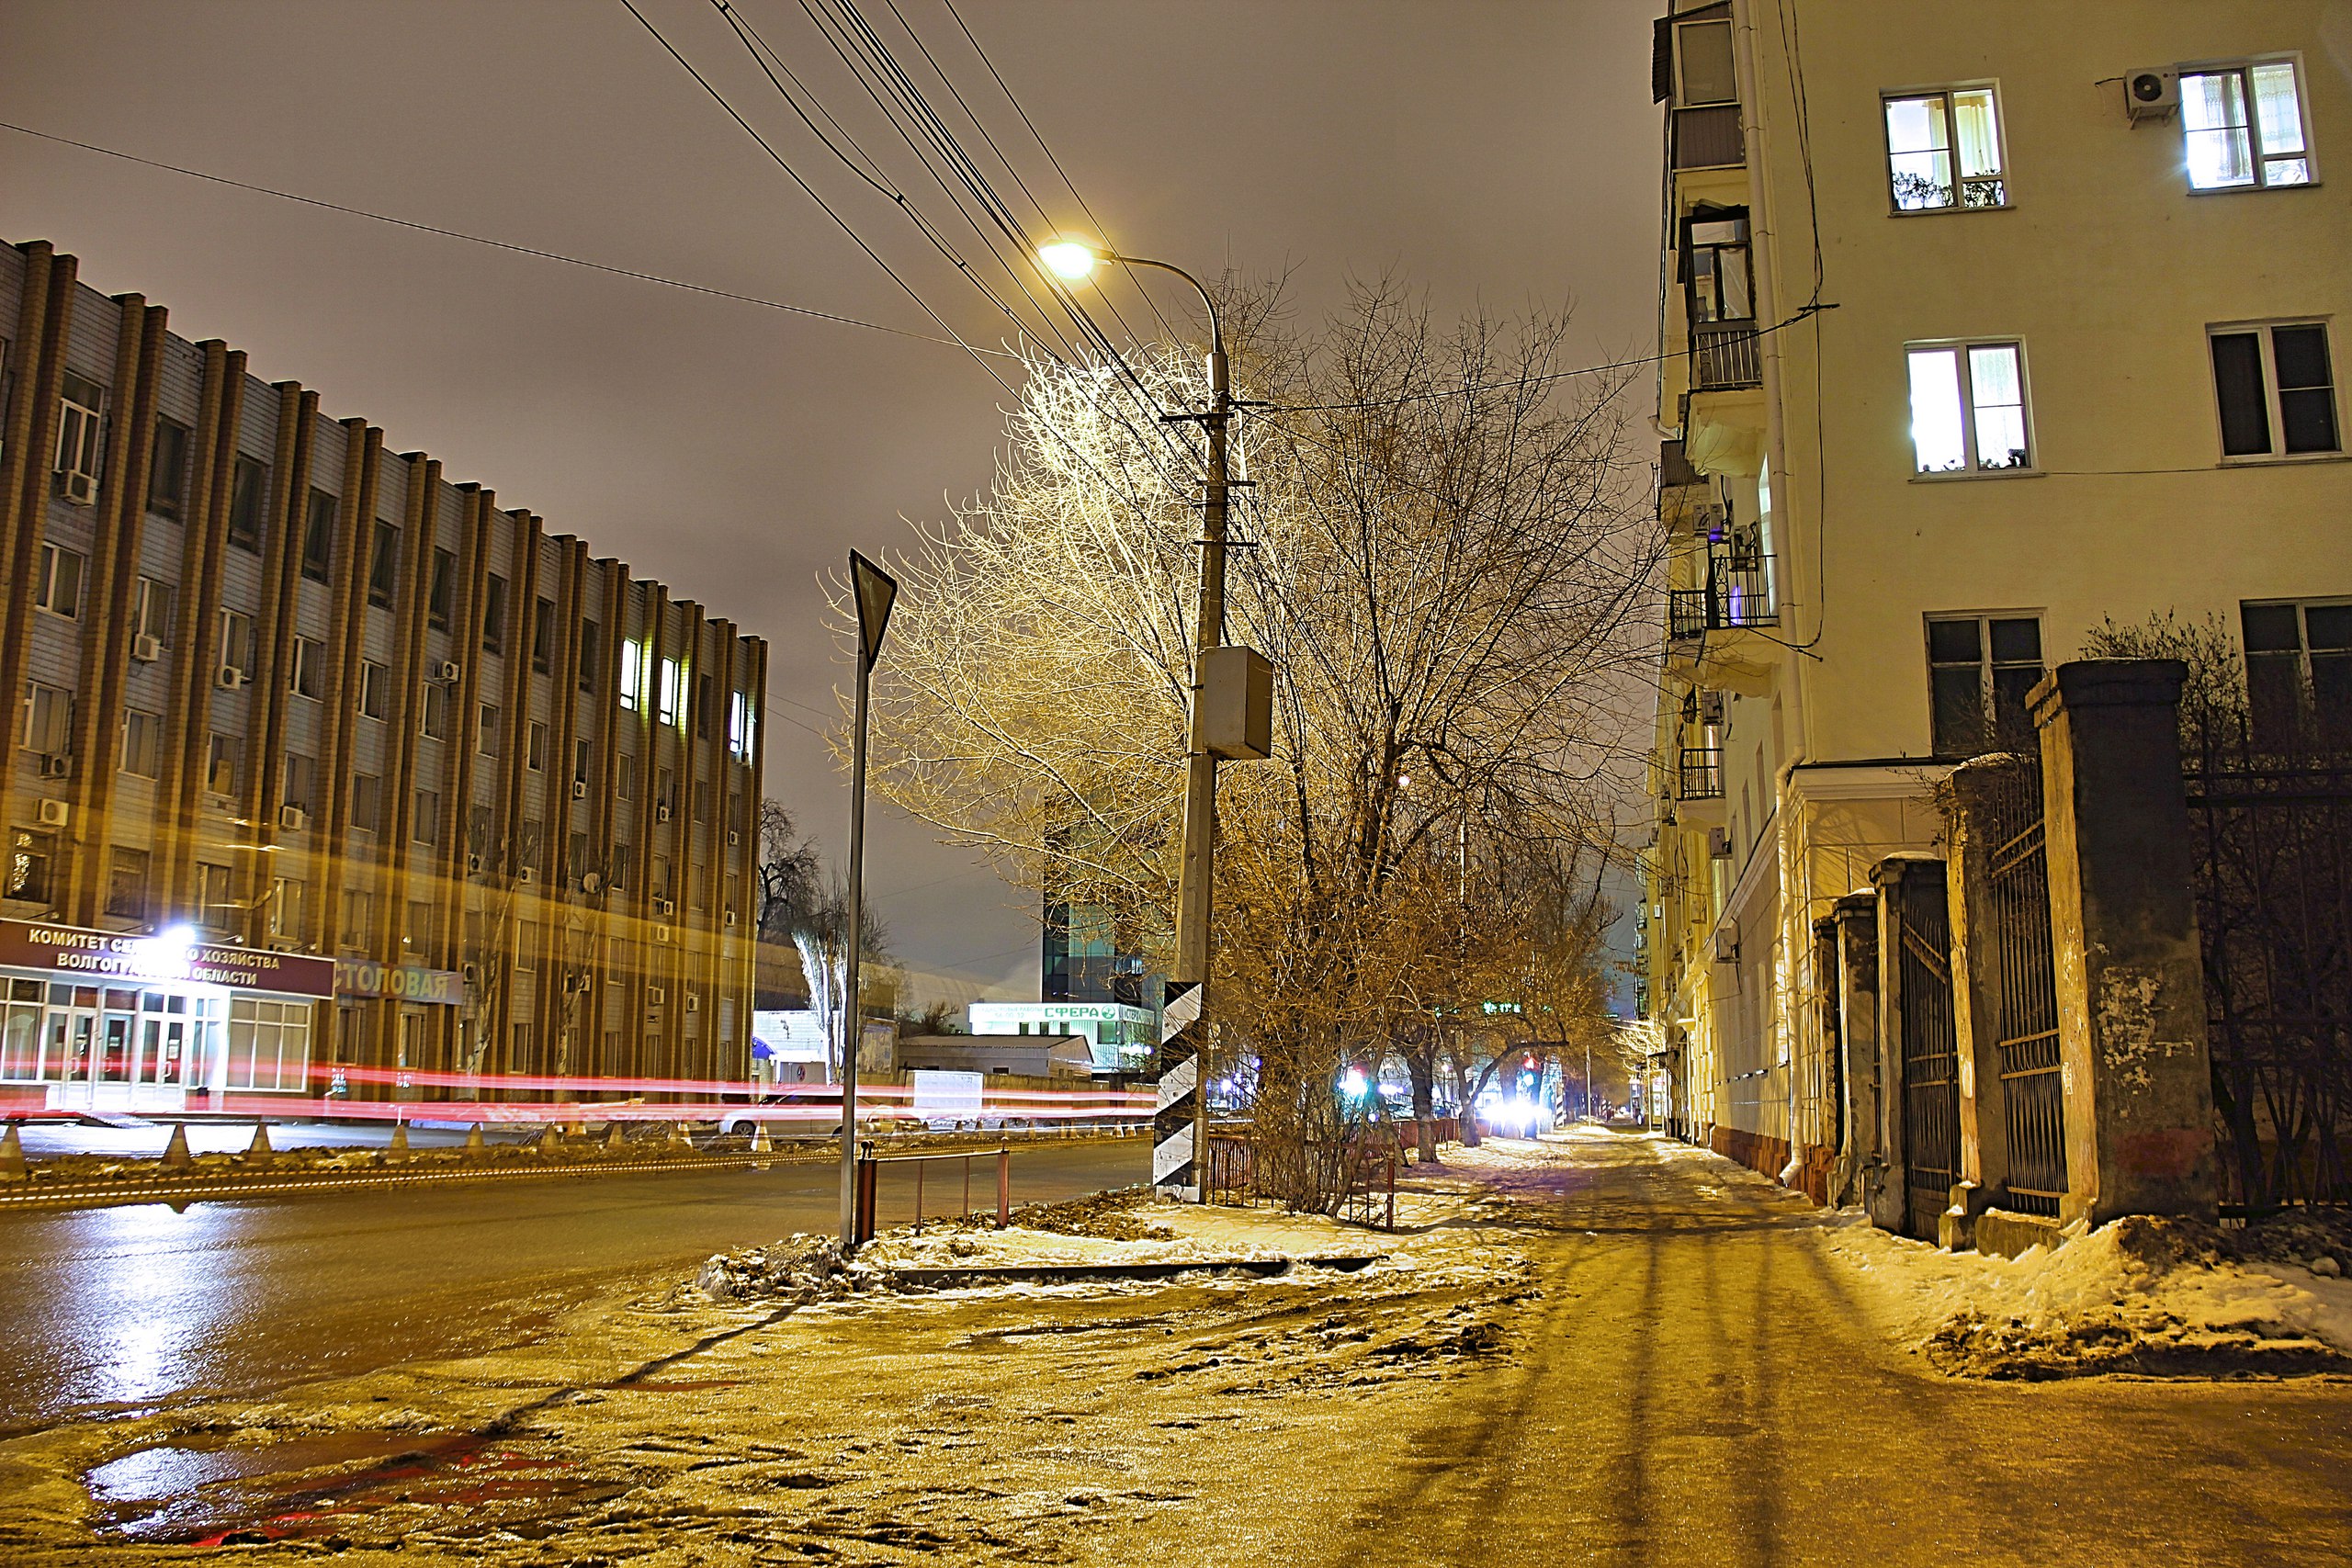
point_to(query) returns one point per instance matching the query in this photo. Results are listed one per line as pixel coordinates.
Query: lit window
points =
(2230, 148)
(2276, 390)
(1968, 408)
(673, 679)
(634, 658)
(1943, 151)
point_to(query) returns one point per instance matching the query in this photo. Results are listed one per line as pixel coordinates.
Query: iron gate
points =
(1930, 1049)
(2025, 993)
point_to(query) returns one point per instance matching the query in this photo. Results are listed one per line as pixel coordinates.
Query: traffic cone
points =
(760, 1143)
(475, 1143)
(12, 1156)
(259, 1149)
(614, 1136)
(551, 1140)
(176, 1155)
(397, 1150)
(678, 1138)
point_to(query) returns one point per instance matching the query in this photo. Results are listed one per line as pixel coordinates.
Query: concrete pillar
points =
(1903, 880)
(1975, 791)
(2123, 920)
(1861, 1157)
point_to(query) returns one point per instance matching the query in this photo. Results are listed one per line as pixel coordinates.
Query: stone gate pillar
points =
(1861, 1156)
(2123, 920)
(1974, 790)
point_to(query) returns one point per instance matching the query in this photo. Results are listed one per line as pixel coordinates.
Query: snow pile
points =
(2145, 1295)
(803, 1270)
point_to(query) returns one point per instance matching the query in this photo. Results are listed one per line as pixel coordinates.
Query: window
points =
(127, 884)
(57, 583)
(2298, 673)
(665, 791)
(300, 771)
(579, 763)
(30, 856)
(142, 743)
(375, 689)
(358, 918)
(236, 647)
(741, 723)
(671, 683)
(167, 469)
(699, 794)
(1979, 669)
(542, 634)
(627, 790)
(624, 856)
(443, 589)
(590, 650)
(2276, 390)
(368, 802)
(302, 673)
(223, 764)
(576, 856)
(269, 1043)
(152, 611)
(1968, 408)
(662, 886)
(1943, 151)
(702, 708)
(481, 832)
(493, 613)
(535, 747)
(49, 719)
(486, 731)
(527, 946)
(1703, 53)
(636, 661)
(420, 924)
(318, 537)
(248, 493)
(424, 817)
(384, 566)
(432, 716)
(81, 404)
(216, 896)
(289, 905)
(2230, 149)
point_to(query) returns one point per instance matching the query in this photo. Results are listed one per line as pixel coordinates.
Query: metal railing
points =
(1701, 773)
(2026, 1002)
(1739, 593)
(869, 1184)
(1725, 357)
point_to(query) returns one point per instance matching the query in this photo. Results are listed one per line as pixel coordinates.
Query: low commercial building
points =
(1122, 1036)
(329, 774)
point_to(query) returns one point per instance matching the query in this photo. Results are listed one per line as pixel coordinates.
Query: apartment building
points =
(1982, 325)
(329, 775)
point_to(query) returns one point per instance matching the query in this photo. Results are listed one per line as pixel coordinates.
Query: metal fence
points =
(2273, 849)
(1360, 1169)
(1930, 1049)
(2025, 993)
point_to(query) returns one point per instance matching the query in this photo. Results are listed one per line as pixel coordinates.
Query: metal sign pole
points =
(875, 591)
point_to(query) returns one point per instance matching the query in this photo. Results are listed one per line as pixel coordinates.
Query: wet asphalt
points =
(128, 1309)
(1700, 1386)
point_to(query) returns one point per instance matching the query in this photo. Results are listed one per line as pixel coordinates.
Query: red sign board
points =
(68, 951)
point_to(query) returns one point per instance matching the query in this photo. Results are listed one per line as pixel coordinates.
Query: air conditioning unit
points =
(473, 864)
(231, 678)
(1727, 941)
(592, 882)
(56, 765)
(146, 649)
(446, 670)
(472, 973)
(82, 489)
(665, 906)
(580, 789)
(1710, 707)
(662, 814)
(293, 817)
(524, 875)
(1719, 842)
(2152, 93)
(733, 837)
(655, 996)
(730, 917)
(693, 1002)
(55, 813)
(662, 934)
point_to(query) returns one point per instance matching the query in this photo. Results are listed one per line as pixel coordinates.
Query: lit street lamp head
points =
(1073, 261)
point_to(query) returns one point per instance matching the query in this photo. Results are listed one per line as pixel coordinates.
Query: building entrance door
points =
(72, 1033)
(115, 1063)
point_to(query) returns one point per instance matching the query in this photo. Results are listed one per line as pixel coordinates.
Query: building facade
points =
(1982, 327)
(330, 775)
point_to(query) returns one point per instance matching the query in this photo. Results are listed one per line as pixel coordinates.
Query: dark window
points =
(445, 579)
(424, 817)
(542, 634)
(702, 707)
(247, 495)
(127, 884)
(493, 613)
(384, 566)
(1979, 672)
(590, 650)
(167, 469)
(368, 802)
(318, 536)
(2237, 380)
(2276, 390)
(2298, 674)
(300, 773)
(2306, 390)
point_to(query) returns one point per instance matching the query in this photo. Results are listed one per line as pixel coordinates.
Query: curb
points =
(1051, 1273)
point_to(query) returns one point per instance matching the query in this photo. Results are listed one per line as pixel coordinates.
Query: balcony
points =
(1701, 776)
(1724, 357)
(1739, 593)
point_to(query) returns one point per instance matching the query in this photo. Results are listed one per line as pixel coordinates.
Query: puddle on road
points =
(200, 1494)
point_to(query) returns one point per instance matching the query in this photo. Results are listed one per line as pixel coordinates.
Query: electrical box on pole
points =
(1236, 703)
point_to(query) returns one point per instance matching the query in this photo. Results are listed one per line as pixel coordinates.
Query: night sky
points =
(1503, 154)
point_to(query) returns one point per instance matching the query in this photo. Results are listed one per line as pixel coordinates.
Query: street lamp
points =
(1177, 1137)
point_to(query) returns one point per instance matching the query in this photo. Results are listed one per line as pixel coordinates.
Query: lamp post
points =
(875, 591)
(1177, 1158)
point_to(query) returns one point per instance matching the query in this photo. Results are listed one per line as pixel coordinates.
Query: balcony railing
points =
(1701, 773)
(1723, 357)
(1738, 594)
(1708, 138)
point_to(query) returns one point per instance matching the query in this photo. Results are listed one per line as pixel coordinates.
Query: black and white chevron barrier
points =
(1174, 1168)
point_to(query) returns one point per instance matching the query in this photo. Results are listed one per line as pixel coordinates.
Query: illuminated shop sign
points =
(365, 978)
(170, 956)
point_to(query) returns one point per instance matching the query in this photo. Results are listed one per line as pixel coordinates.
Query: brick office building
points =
(325, 769)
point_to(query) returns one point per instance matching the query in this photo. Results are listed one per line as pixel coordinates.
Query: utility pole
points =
(875, 591)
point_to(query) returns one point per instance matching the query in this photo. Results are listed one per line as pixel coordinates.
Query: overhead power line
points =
(507, 245)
